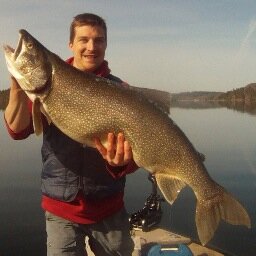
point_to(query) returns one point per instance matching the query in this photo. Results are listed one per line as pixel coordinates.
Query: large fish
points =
(85, 106)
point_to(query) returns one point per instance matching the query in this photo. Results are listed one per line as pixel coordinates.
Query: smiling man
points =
(88, 44)
(82, 187)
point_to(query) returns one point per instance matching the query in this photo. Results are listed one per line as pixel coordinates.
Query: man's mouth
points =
(90, 56)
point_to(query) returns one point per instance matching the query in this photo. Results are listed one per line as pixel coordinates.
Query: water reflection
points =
(243, 106)
(226, 138)
(240, 106)
(22, 220)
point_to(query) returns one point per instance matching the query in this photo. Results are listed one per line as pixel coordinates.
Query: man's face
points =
(88, 47)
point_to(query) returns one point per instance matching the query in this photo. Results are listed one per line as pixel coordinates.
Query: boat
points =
(163, 242)
(168, 243)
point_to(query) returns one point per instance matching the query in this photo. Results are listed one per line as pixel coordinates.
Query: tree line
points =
(243, 94)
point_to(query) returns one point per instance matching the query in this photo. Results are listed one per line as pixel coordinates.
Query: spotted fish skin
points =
(85, 106)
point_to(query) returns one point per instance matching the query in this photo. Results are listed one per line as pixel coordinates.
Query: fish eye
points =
(29, 45)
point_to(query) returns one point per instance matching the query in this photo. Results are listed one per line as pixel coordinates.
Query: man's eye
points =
(83, 40)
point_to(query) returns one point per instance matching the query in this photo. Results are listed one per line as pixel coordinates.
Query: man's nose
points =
(90, 45)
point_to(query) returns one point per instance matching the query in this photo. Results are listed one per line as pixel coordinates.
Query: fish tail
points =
(210, 212)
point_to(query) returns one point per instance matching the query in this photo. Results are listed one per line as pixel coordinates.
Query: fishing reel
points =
(150, 215)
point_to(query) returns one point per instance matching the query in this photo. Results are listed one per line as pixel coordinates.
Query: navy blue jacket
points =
(69, 167)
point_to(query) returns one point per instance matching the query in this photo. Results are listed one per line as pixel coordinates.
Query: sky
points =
(171, 45)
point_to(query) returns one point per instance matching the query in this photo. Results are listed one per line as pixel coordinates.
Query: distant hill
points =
(243, 94)
(242, 99)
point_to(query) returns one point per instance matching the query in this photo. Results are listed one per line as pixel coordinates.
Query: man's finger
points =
(111, 147)
(127, 152)
(100, 147)
(119, 157)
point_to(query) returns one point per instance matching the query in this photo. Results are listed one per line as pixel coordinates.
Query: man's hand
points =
(118, 151)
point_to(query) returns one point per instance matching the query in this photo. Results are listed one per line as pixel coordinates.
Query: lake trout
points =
(84, 106)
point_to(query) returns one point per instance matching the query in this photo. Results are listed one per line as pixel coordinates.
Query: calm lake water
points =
(227, 139)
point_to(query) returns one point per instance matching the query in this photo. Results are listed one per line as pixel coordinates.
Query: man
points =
(82, 187)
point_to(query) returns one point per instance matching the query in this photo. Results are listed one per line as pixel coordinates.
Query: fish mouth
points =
(14, 53)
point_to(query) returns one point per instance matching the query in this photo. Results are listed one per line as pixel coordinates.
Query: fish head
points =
(28, 63)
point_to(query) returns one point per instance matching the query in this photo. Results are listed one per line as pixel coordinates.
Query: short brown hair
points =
(86, 19)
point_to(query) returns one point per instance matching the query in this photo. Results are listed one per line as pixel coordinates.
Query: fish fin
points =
(210, 212)
(159, 98)
(49, 121)
(37, 117)
(169, 186)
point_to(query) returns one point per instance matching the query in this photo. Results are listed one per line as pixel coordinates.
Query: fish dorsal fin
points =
(37, 117)
(169, 186)
(159, 98)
